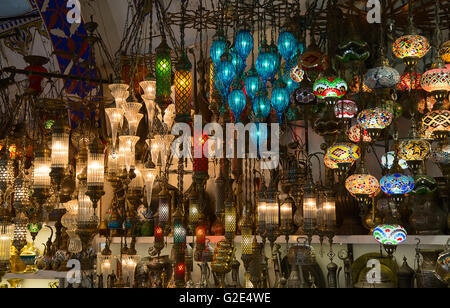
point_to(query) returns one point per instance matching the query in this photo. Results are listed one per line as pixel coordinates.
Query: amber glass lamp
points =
(183, 89)
(362, 186)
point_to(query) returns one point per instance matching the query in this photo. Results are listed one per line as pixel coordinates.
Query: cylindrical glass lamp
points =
(183, 89)
(115, 116)
(60, 145)
(163, 75)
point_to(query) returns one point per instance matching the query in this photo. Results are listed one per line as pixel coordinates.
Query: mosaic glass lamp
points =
(382, 77)
(354, 134)
(397, 185)
(297, 74)
(410, 48)
(345, 109)
(390, 236)
(344, 154)
(374, 120)
(330, 89)
(437, 122)
(387, 161)
(414, 151)
(437, 81)
(409, 81)
(362, 185)
(444, 52)
(442, 159)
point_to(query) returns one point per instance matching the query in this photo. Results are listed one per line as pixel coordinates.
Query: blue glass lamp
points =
(280, 98)
(252, 83)
(261, 105)
(287, 45)
(237, 100)
(218, 47)
(238, 62)
(266, 63)
(244, 42)
(226, 71)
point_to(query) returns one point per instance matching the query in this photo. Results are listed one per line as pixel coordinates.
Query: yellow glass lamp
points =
(183, 90)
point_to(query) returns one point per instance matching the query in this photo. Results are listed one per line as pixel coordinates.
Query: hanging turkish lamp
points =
(238, 62)
(41, 173)
(381, 78)
(414, 150)
(148, 175)
(287, 44)
(218, 47)
(237, 100)
(60, 151)
(411, 47)
(362, 185)
(133, 116)
(183, 90)
(355, 132)
(243, 42)
(387, 161)
(163, 72)
(120, 93)
(252, 83)
(345, 109)
(304, 94)
(309, 207)
(374, 120)
(330, 89)
(444, 52)
(353, 48)
(437, 80)
(115, 116)
(409, 82)
(96, 171)
(280, 98)
(397, 184)
(261, 105)
(226, 73)
(441, 157)
(266, 63)
(390, 236)
(437, 123)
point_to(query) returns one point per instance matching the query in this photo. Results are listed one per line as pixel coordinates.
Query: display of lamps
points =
(115, 116)
(390, 236)
(60, 152)
(163, 72)
(96, 171)
(183, 89)
(280, 98)
(133, 116)
(374, 120)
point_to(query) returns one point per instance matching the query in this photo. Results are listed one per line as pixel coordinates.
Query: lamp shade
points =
(252, 83)
(41, 170)
(354, 134)
(115, 116)
(303, 96)
(382, 77)
(149, 87)
(226, 73)
(297, 74)
(96, 164)
(120, 93)
(414, 149)
(345, 152)
(346, 109)
(444, 51)
(238, 62)
(287, 45)
(183, 89)
(397, 184)
(409, 81)
(243, 43)
(389, 234)
(437, 79)
(437, 120)
(280, 98)
(163, 72)
(411, 46)
(218, 47)
(330, 88)
(261, 105)
(374, 118)
(237, 102)
(362, 184)
(266, 63)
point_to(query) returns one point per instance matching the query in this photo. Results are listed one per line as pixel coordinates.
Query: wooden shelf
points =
(339, 239)
(47, 275)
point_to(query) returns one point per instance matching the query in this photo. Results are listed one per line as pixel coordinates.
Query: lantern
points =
(291, 84)
(382, 77)
(354, 134)
(41, 171)
(163, 208)
(266, 63)
(287, 45)
(133, 116)
(261, 212)
(346, 109)
(328, 206)
(243, 42)
(85, 208)
(286, 215)
(280, 98)
(363, 186)
(230, 218)
(36, 64)
(330, 89)
(226, 73)
(115, 116)
(237, 102)
(183, 89)
(69, 221)
(194, 209)
(238, 62)
(6, 233)
(437, 122)
(309, 207)
(218, 47)
(127, 150)
(397, 184)
(437, 82)
(179, 232)
(96, 171)
(410, 48)
(344, 154)
(261, 105)
(252, 83)
(414, 151)
(163, 69)
(374, 121)
(60, 145)
(390, 236)
(272, 212)
(444, 52)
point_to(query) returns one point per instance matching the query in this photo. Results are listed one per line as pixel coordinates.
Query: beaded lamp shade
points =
(382, 77)
(444, 52)
(354, 134)
(362, 184)
(411, 46)
(163, 71)
(437, 120)
(390, 234)
(344, 152)
(397, 184)
(297, 74)
(346, 109)
(414, 149)
(374, 118)
(436, 80)
(330, 88)
(183, 89)
(407, 84)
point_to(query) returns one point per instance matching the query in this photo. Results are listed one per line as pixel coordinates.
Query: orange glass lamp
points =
(183, 90)
(362, 186)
